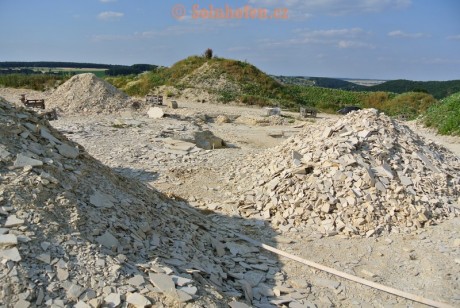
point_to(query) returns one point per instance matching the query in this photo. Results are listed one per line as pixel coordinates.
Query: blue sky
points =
(378, 39)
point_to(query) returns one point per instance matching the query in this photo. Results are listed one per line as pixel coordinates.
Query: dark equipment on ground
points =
(154, 99)
(308, 112)
(348, 109)
(50, 115)
(39, 103)
(34, 103)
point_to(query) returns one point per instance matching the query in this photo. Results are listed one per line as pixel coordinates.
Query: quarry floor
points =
(425, 263)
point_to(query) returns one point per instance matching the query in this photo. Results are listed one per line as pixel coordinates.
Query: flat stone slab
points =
(101, 200)
(137, 300)
(13, 221)
(238, 305)
(163, 282)
(112, 300)
(47, 135)
(107, 240)
(23, 160)
(136, 281)
(8, 240)
(10, 254)
(67, 151)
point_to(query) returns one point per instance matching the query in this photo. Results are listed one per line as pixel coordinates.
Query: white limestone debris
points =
(362, 175)
(89, 237)
(155, 113)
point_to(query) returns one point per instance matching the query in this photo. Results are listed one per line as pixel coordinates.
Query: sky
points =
(368, 39)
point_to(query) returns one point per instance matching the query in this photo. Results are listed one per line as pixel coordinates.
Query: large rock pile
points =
(86, 93)
(72, 232)
(360, 175)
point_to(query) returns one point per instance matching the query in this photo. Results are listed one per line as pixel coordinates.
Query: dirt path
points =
(450, 142)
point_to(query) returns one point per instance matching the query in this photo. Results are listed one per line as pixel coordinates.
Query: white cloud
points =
(341, 38)
(454, 37)
(354, 44)
(402, 34)
(330, 33)
(335, 7)
(109, 15)
(188, 28)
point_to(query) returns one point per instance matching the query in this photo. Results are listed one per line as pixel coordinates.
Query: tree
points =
(208, 53)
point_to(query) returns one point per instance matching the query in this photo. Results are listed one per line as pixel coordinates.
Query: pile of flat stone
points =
(75, 233)
(86, 94)
(363, 174)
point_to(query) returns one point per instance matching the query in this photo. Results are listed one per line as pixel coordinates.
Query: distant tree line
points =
(117, 70)
(24, 71)
(52, 64)
(111, 70)
(439, 89)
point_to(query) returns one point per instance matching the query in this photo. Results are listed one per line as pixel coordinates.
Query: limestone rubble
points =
(86, 94)
(361, 175)
(73, 232)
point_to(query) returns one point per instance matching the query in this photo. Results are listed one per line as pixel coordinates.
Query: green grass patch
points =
(39, 82)
(445, 115)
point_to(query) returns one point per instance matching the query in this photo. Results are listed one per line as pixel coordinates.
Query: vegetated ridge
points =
(439, 89)
(31, 68)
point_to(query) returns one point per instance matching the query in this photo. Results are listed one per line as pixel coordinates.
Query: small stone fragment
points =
(163, 282)
(13, 221)
(22, 304)
(137, 300)
(235, 304)
(136, 281)
(68, 151)
(155, 113)
(107, 240)
(10, 254)
(113, 300)
(8, 240)
(44, 257)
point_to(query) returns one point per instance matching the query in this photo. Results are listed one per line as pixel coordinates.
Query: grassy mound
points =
(236, 81)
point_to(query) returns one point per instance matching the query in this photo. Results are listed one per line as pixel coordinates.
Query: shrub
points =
(445, 115)
(39, 82)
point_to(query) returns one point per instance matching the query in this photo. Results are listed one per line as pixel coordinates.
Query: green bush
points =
(445, 115)
(255, 100)
(408, 105)
(39, 82)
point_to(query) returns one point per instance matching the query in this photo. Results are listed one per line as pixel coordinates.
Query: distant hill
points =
(439, 89)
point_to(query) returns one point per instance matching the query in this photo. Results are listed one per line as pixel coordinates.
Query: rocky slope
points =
(75, 233)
